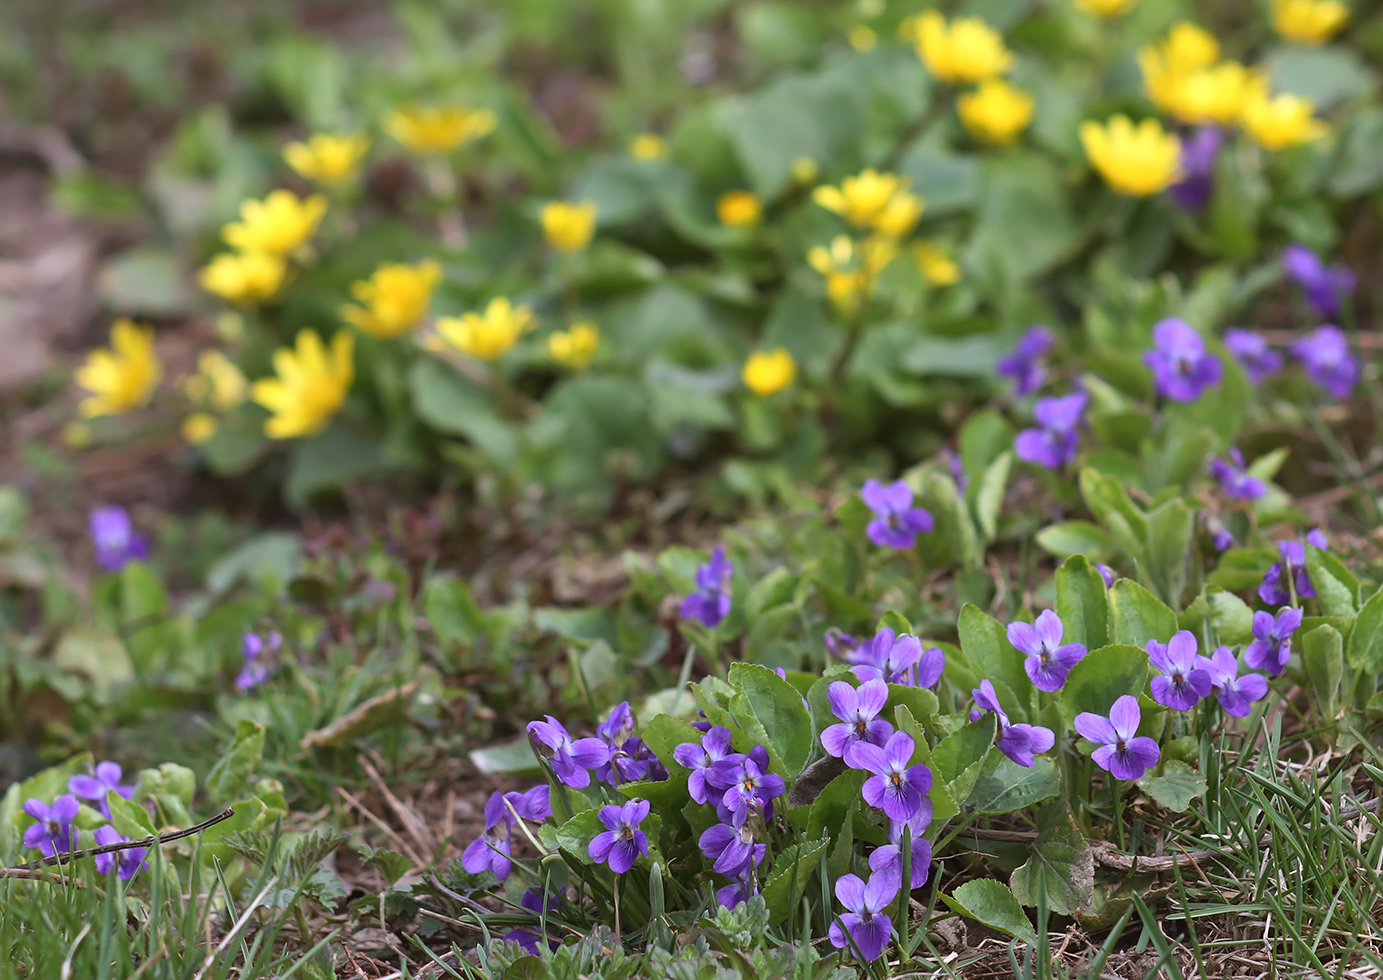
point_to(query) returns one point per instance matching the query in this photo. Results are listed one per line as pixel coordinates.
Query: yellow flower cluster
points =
(438, 129)
(268, 232)
(488, 336)
(394, 300)
(769, 372)
(996, 112)
(328, 158)
(1309, 21)
(309, 387)
(218, 384)
(1134, 160)
(122, 377)
(574, 348)
(850, 270)
(739, 209)
(568, 227)
(964, 51)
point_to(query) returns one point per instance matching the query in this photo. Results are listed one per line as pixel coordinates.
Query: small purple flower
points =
(54, 831)
(1107, 574)
(94, 788)
(491, 850)
(894, 786)
(888, 859)
(858, 711)
(1328, 361)
(843, 646)
(1259, 361)
(1234, 479)
(533, 901)
(1198, 154)
(866, 922)
(126, 862)
(635, 762)
(114, 539)
(1181, 366)
(622, 841)
(888, 657)
(1235, 693)
(1048, 659)
(957, 468)
(711, 602)
(1021, 743)
(896, 523)
(1120, 751)
(1322, 285)
(737, 892)
(257, 651)
(1183, 681)
(700, 758)
(1054, 443)
(1292, 568)
(571, 760)
(749, 786)
(1272, 640)
(732, 848)
(1026, 364)
(613, 731)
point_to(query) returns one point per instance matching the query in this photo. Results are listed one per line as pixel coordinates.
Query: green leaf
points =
(1082, 602)
(664, 733)
(331, 461)
(1171, 528)
(1230, 615)
(1323, 654)
(229, 777)
(959, 757)
(989, 499)
(129, 817)
(953, 518)
(1101, 678)
(1070, 538)
(514, 757)
(1326, 75)
(1358, 168)
(1364, 651)
(456, 405)
(1024, 223)
(575, 835)
(1004, 786)
(984, 437)
(792, 869)
(985, 645)
(1062, 868)
(991, 902)
(1138, 616)
(1109, 502)
(1337, 590)
(1178, 785)
(778, 707)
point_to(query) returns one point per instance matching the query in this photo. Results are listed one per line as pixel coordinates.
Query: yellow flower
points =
(217, 380)
(394, 299)
(1216, 94)
(568, 227)
(247, 278)
(996, 112)
(873, 200)
(328, 158)
(1137, 161)
(488, 336)
(123, 376)
(738, 209)
(1106, 8)
(575, 347)
(967, 50)
(278, 224)
(862, 37)
(804, 170)
(1282, 121)
(310, 385)
(439, 129)
(849, 271)
(938, 268)
(648, 146)
(1309, 21)
(1186, 48)
(768, 372)
(901, 215)
(198, 428)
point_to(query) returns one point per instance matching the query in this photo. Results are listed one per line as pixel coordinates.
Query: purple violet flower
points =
(1026, 364)
(888, 859)
(866, 922)
(888, 657)
(257, 651)
(126, 862)
(858, 711)
(635, 762)
(621, 843)
(1234, 479)
(1259, 361)
(1021, 743)
(957, 468)
(1272, 640)
(1120, 750)
(54, 831)
(491, 850)
(1292, 568)
(700, 758)
(1235, 692)
(1054, 443)
(1198, 154)
(843, 646)
(739, 891)
(1322, 285)
(533, 901)
(1328, 361)
(1182, 368)
(749, 786)
(894, 786)
(1048, 659)
(1183, 681)
(114, 539)
(93, 789)
(1107, 574)
(732, 848)
(711, 602)
(896, 523)
(571, 760)
(613, 731)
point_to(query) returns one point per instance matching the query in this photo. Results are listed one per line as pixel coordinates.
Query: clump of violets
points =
(1234, 692)
(1182, 368)
(894, 786)
(1259, 361)
(1182, 681)
(1199, 152)
(865, 920)
(126, 862)
(1048, 659)
(1323, 285)
(492, 849)
(1021, 743)
(1234, 479)
(1272, 640)
(858, 710)
(701, 758)
(622, 842)
(896, 523)
(898, 660)
(1290, 573)
(571, 759)
(114, 539)
(1027, 364)
(1054, 442)
(1119, 749)
(630, 759)
(258, 652)
(93, 789)
(1328, 361)
(710, 603)
(54, 831)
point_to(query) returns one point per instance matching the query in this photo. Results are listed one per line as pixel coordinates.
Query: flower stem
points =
(1118, 812)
